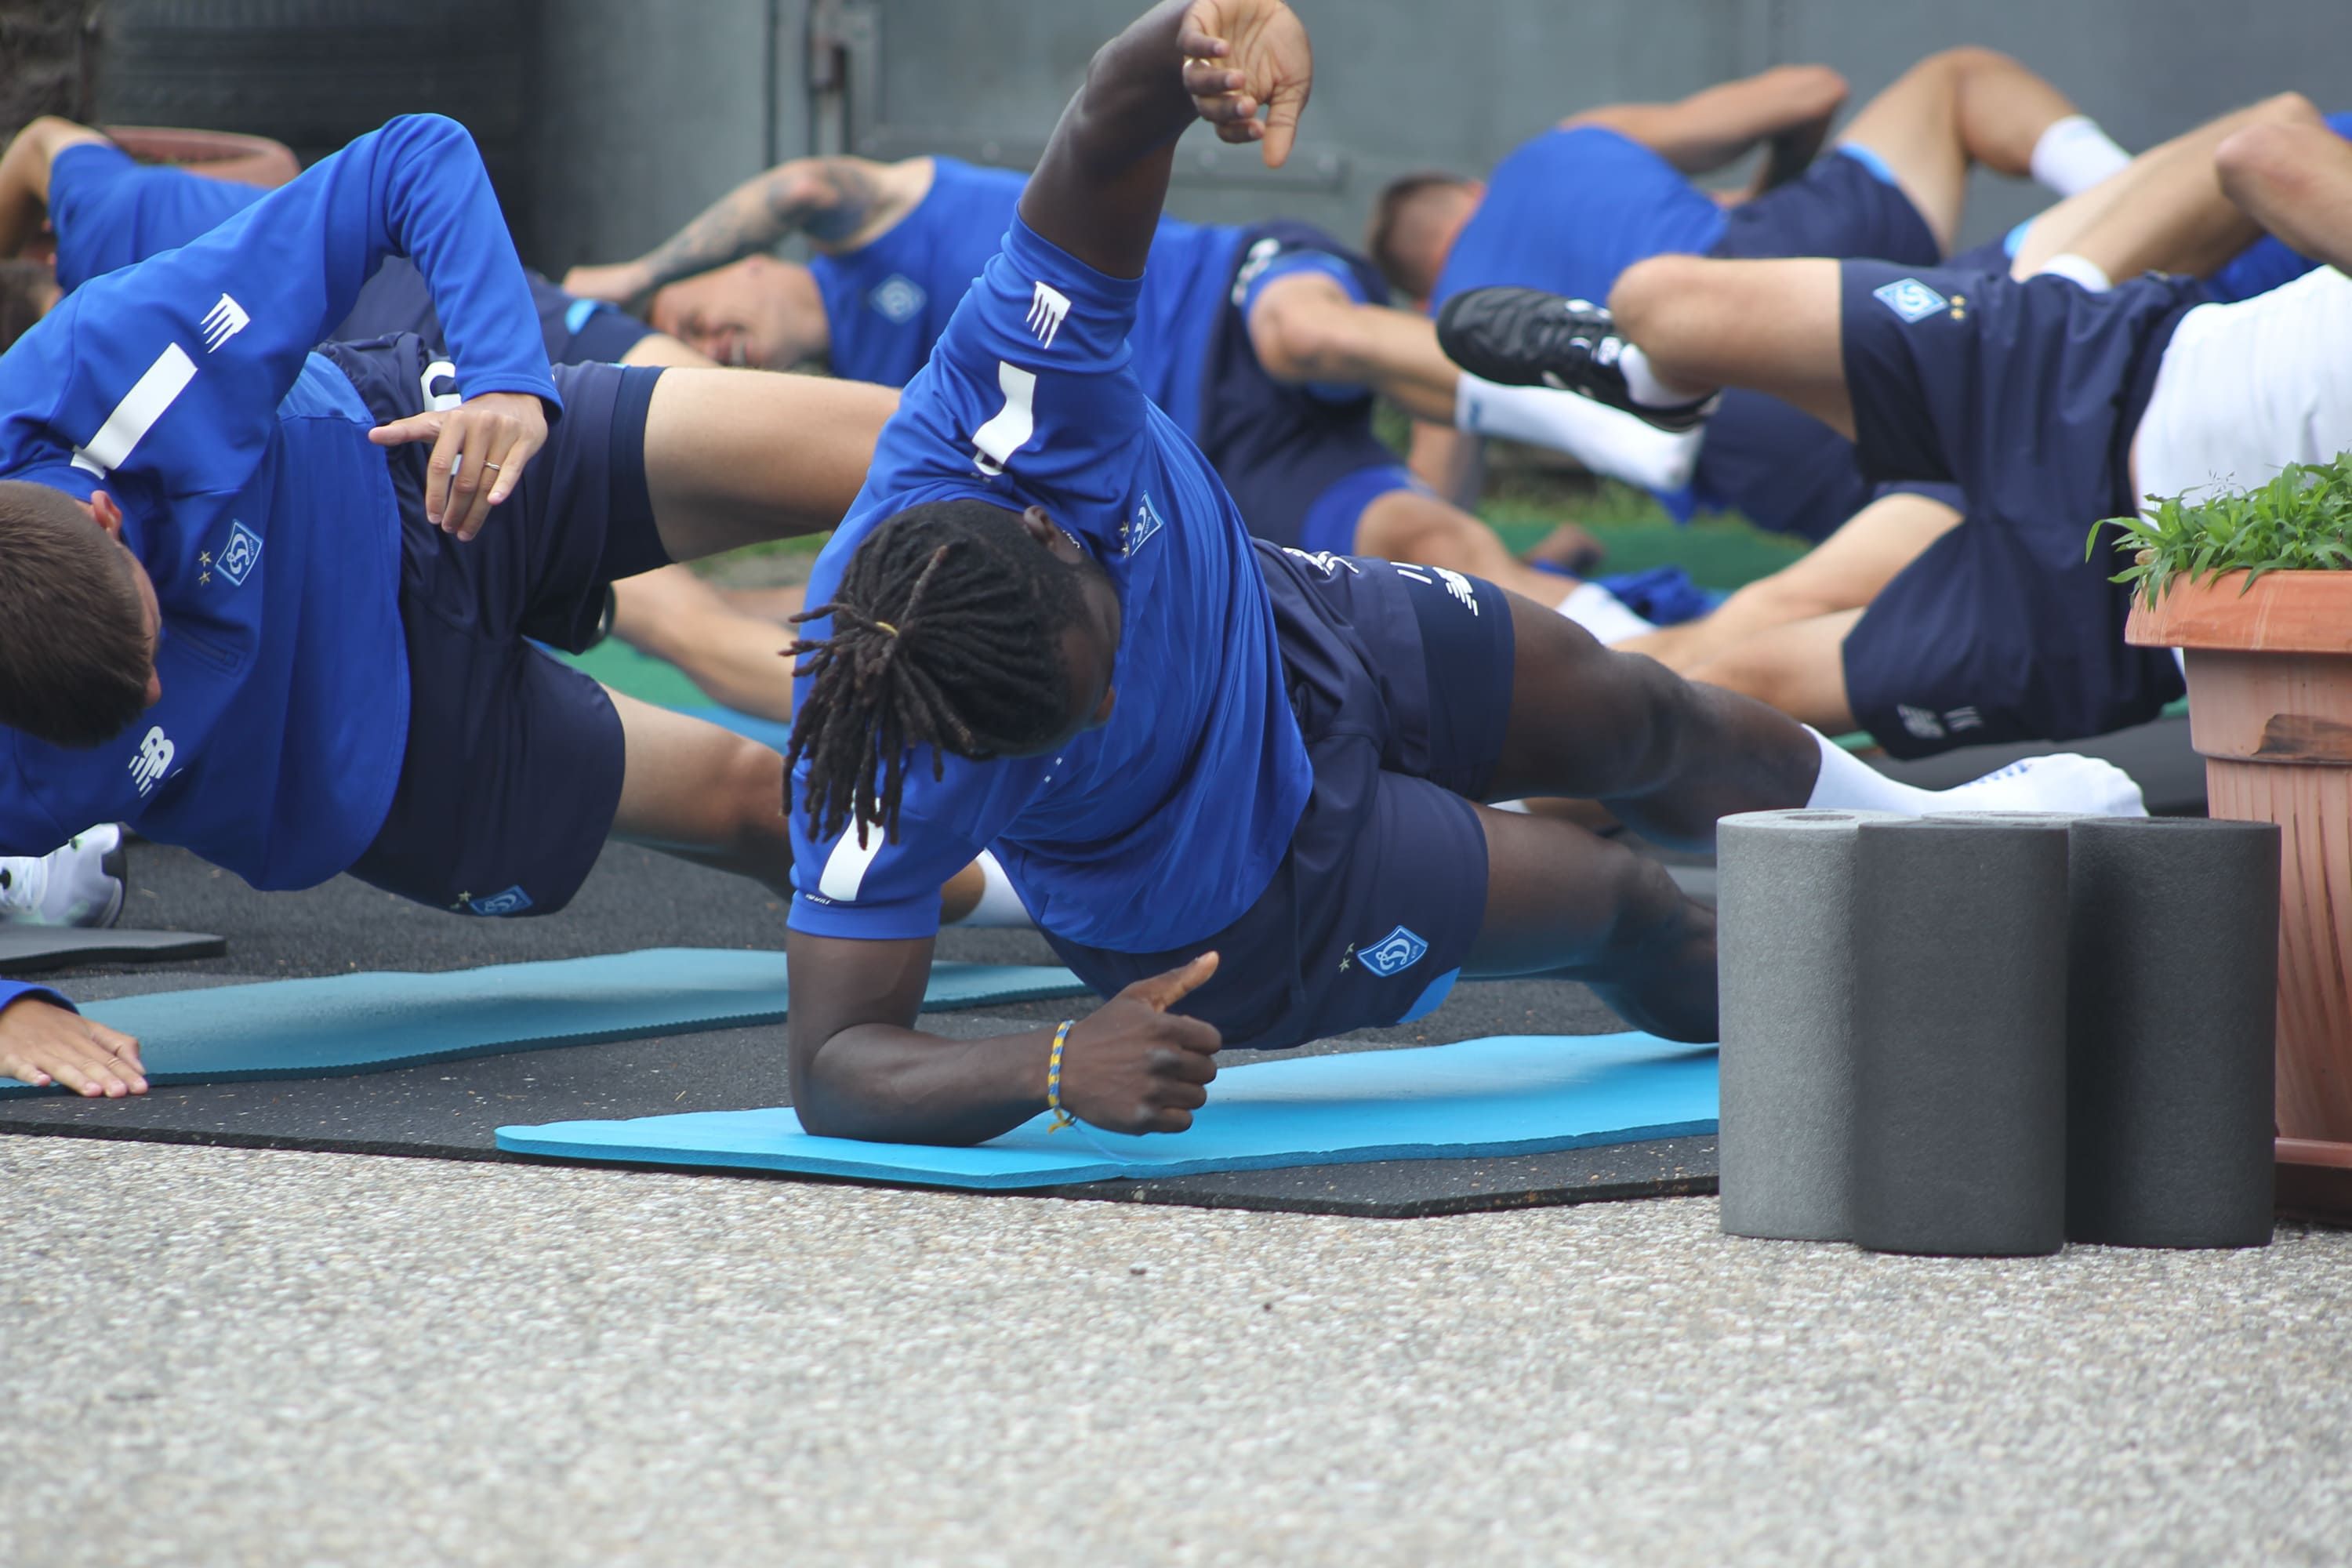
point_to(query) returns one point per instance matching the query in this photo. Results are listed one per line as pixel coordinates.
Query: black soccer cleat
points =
(1526, 337)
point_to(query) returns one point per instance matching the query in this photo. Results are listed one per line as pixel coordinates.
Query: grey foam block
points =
(1961, 1037)
(1785, 947)
(2172, 1006)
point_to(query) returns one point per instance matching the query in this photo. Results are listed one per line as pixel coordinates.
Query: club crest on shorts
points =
(238, 556)
(513, 901)
(1393, 954)
(1909, 299)
(897, 299)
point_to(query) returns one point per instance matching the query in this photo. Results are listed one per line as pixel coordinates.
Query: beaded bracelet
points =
(1062, 1118)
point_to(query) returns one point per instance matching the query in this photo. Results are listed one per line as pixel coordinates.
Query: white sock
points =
(1650, 389)
(1603, 614)
(1606, 440)
(2078, 270)
(2063, 782)
(2074, 154)
(1000, 907)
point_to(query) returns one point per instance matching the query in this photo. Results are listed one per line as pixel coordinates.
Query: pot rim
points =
(2283, 611)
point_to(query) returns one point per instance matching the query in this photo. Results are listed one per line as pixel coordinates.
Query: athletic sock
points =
(1603, 614)
(2079, 269)
(2065, 783)
(1000, 907)
(2073, 154)
(1606, 440)
(1650, 389)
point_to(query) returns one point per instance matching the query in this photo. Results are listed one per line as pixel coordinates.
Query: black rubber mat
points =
(450, 1111)
(42, 950)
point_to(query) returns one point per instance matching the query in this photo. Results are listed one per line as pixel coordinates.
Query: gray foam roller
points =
(1785, 943)
(1960, 1036)
(2173, 1000)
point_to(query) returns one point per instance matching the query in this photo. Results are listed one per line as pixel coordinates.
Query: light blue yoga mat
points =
(368, 1023)
(1519, 1094)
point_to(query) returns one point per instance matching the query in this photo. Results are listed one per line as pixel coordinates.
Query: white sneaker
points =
(82, 884)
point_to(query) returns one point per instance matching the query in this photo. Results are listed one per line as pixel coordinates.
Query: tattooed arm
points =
(837, 202)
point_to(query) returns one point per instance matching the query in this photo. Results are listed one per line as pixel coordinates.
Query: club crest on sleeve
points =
(239, 555)
(1393, 954)
(897, 299)
(1048, 307)
(1139, 528)
(1910, 299)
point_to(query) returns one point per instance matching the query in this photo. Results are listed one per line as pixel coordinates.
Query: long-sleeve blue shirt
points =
(184, 387)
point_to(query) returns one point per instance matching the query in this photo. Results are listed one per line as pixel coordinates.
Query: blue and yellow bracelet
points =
(1062, 1118)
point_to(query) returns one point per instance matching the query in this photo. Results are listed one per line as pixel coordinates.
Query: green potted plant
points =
(2255, 588)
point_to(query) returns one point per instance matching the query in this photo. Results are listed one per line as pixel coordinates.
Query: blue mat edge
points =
(1105, 1170)
(752, 1018)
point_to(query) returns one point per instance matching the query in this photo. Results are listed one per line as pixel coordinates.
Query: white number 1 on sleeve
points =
(1010, 430)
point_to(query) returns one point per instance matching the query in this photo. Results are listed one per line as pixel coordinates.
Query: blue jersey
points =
(1190, 791)
(2267, 263)
(886, 302)
(1571, 210)
(184, 387)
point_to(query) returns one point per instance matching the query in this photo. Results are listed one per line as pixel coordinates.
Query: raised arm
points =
(833, 201)
(2296, 182)
(1788, 107)
(1098, 189)
(25, 177)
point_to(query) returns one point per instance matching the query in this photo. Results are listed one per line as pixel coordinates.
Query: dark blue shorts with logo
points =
(512, 774)
(1400, 677)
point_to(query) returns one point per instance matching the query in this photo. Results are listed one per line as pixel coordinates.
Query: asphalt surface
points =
(233, 1356)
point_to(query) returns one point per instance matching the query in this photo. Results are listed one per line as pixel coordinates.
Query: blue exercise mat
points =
(368, 1023)
(1519, 1094)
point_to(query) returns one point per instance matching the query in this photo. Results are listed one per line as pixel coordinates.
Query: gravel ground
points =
(228, 1356)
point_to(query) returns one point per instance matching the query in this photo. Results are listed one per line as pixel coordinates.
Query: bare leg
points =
(1799, 668)
(1406, 525)
(1844, 572)
(702, 793)
(735, 457)
(661, 348)
(1665, 756)
(2167, 212)
(1769, 325)
(777, 605)
(736, 658)
(1953, 108)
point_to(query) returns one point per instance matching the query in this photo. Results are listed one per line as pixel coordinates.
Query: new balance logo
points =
(223, 321)
(1909, 299)
(1324, 561)
(1451, 580)
(154, 758)
(1048, 307)
(1960, 719)
(1920, 722)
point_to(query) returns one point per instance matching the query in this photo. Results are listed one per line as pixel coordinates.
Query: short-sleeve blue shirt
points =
(1164, 823)
(1571, 210)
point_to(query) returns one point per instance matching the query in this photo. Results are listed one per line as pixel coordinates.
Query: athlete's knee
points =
(1964, 60)
(749, 785)
(2269, 155)
(1656, 295)
(1406, 525)
(1302, 334)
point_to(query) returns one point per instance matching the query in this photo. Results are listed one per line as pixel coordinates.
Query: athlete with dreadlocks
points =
(1234, 784)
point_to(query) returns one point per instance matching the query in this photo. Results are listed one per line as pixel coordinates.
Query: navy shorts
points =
(2026, 395)
(513, 769)
(1280, 448)
(576, 332)
(1400, 677)
(1844, 206)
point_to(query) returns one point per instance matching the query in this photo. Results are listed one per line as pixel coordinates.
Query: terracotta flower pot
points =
(2270, 710)
(217, 154)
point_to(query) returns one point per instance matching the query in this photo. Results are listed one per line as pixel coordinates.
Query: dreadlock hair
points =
(1397, 225)
(947, 633)
(74, 657)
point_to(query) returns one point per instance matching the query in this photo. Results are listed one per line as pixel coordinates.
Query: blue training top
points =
(1193, 787)
(1571, 210)
(184, 387)
(886, 302)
